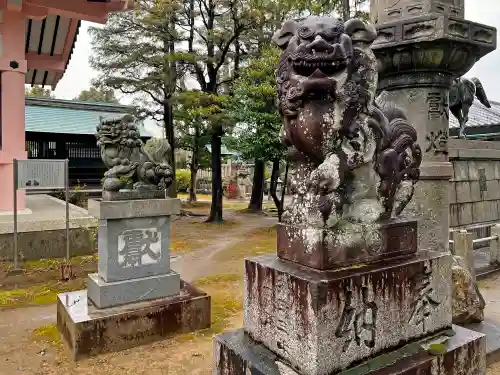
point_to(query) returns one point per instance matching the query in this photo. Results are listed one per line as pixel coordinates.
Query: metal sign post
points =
(66, 182)
(16, 268)
(39, 174)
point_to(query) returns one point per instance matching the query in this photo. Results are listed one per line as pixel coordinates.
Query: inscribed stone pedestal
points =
(322, 321)
(235, 353)
(134, 252)
(134, 247)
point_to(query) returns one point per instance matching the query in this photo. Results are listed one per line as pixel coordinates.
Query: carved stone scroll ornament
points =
(130, 161)
(356, 161)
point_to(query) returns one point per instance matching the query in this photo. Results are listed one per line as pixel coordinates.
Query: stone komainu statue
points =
(355, 157)
(355, 160)
(462, 95)
(127, 158)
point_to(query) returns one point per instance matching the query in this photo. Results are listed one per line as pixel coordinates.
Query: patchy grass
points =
(258, 242)
(55, 263)
(226, 291)
(50, 264)
(41, 294)
(215, 227)
(181, 246)
(200, 197)
(204, 201)
(48, 333)
(191, 236)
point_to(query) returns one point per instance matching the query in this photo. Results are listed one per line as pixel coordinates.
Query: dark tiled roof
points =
(71, 116)
(479, 115)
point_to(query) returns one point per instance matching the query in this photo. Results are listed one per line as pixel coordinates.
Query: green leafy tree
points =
(271, 16)
(212, 31)
(39, 92)
(96, 94)
(135, 53)
(253, 108)
(195, 113)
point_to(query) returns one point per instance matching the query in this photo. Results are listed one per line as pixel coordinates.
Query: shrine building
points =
(65, 129)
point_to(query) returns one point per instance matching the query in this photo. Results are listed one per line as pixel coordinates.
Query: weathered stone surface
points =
(322, 321)
(89, 331)
(325, 249)
(388, 10)
(476, 203)
(126, 195)
(108, 294)
(456, 45)
(355, 160)
(430, 203)
(131, 163)
(421, 47)
(133, 247)
(491, 329)
(44, 244)
(235, 353)
(468, 303)
(124, 209)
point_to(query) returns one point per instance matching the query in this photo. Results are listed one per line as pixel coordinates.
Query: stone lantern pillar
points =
(422, 45)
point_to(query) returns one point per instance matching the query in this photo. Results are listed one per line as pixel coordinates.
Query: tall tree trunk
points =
(194, 165)
(257, 186)
(281, 209)
(192, 186)
(216, 207)
(275, 174)
(169, 133)
(346, 10)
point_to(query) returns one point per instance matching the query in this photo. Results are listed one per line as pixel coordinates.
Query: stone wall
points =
(475, 185)
(44, 244)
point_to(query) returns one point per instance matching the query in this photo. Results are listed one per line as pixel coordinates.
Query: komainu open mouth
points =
(306, 64)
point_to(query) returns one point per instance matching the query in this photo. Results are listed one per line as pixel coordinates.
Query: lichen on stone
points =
(468, 303)
(355, 160)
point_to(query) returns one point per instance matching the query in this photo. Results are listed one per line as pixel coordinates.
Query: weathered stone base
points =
(132, 195)
(235, 353)
(320, 248)
(104, 295)
(88, 331)
(322, 321)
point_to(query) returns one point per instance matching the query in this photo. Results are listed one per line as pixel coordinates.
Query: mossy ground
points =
(47, 333)
(180, 354)
(40, 294)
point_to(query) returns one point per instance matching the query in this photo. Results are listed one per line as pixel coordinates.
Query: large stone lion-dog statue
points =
(355, 160)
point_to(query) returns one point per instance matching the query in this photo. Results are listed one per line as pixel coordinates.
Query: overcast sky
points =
(79, 74)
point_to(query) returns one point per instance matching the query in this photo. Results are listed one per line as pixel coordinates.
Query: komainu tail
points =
(158, 149)
(480, 93)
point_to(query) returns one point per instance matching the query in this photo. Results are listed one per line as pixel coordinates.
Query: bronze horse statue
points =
(462, 95)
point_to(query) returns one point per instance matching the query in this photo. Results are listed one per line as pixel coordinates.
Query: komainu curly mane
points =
(354, 159)
(129, 160)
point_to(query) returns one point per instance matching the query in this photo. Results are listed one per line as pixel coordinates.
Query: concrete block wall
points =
(475, 186)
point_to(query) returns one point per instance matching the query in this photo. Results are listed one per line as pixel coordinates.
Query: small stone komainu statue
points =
(129, 160)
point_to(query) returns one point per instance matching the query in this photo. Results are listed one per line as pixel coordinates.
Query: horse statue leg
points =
(457, 112)
(465, 119)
